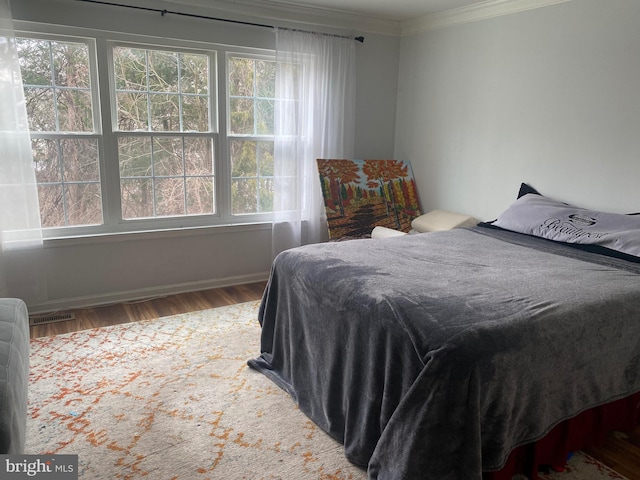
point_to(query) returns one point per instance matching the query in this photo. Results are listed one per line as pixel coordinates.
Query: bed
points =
(441, 355)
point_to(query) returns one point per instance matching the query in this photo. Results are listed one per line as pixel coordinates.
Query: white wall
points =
(549, 96)
(104, 269)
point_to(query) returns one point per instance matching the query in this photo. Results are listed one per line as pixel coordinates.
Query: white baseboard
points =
(142, 293)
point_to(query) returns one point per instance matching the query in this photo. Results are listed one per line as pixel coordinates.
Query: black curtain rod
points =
(165, 12)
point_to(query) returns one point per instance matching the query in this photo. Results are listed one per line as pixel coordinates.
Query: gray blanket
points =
(432, 356)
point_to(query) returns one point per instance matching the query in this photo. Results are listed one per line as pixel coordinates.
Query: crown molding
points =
(281, 13)
(284, 14)
(473, 13)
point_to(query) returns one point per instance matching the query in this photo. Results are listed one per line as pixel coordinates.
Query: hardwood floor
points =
(620, 452)
(152, 308)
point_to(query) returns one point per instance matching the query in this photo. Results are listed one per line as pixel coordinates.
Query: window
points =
(251, 129)
(135, 145)
(165, 149)
(58, 95)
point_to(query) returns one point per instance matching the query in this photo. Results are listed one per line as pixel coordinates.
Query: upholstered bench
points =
(14, 374)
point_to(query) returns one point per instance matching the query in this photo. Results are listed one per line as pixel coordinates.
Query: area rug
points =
(173, 399)
(580, 467)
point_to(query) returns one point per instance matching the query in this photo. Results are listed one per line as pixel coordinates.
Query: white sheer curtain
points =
(20, 227)
(314, 118)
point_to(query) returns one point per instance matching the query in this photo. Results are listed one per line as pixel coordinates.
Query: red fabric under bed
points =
(590, 428)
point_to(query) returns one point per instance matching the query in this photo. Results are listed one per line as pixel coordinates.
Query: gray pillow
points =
(546, 218)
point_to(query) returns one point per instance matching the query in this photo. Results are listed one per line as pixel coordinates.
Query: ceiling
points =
(392, 17)
(395, 10)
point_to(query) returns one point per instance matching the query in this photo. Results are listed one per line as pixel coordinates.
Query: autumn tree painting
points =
(338, 173)
(362, 194)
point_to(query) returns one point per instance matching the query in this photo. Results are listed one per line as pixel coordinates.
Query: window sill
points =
(134, 236)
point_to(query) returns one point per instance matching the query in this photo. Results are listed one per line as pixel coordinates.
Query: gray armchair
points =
(14, 374)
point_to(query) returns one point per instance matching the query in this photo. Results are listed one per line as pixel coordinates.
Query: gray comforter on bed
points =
(432, 356)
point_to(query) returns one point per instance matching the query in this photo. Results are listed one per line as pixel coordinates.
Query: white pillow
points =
(437, 220)
(384, 232)
(543, 217)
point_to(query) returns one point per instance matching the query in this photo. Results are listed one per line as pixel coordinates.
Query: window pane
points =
(137, 198)
(198, 156)
(264, 117)
(80, 160)
(200, 198)
(165, 112)
(265, 79)
(46, 161)
(291, 70)
(244, 195)
(70, 65)
(195, 114)
(163, 71)
(40, 109)
(243, 158)
(134, 154)
(35, 62)
(266, 195)
(167, 157)
(130, 69)
(241, 122)
(83, 203)
(195, 74)
(69, 204)
(51, 205)
(241, 75)
(264, 155)
(74, 111)
(132, 111)
(170, 196)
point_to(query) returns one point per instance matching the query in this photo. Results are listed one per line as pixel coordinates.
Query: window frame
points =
(212, 134)
(96, 134)
(246, 137)
(104, 105)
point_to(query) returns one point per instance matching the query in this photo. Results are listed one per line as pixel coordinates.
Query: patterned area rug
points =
(173, 399)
